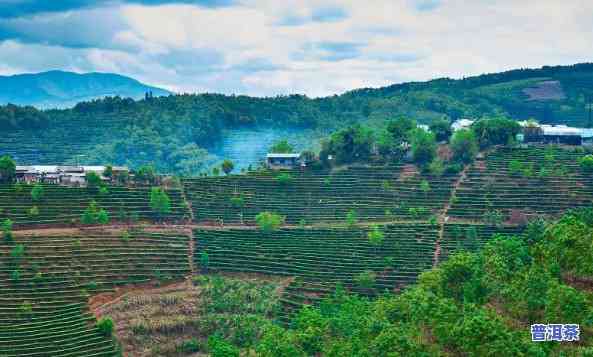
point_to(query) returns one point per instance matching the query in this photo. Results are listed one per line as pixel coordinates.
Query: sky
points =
(276, 47)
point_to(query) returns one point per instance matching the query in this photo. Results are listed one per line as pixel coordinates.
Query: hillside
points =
(179, 134)
(373, 260)
(59, 89)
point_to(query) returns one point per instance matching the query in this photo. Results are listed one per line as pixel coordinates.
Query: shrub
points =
(227, 166)
(586, 163)
(515, 168)
(237, 201)
(92, 180)
(7, 169)
(425, 187)
(365, 280)
(103, 217)
(351, 218)
(90, 214)
(33, 211)
(160, 203)
(464, 146)
(268, 221)
(15, 276)
(189, 346)
(441, 128)
(375, 236)
(125, 236)
(37, 192)
(204, 261)
(218, 347)
(105, 326)
(424, 147)
(103, 191)
(7, 230)
(26, 308)
(284, 179)
(436, 167)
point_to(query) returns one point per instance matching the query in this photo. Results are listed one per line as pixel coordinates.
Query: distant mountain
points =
(59, 89)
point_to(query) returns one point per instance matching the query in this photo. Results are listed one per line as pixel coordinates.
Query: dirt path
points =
(190, 257)
(443, 218)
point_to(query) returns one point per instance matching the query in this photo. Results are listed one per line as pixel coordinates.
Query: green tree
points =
(424, 147)
(351, 144)
(93, 180)
(215, 171)
(400, 129)
(102, 217)
(7, 169)
(33, 211)
(281, 147)
(515, 168)
(586, 163)
(425, 187)
(495, 131)
(441, 129)
(268, 221)
(90, 214)
(7, 230)
(108, 172)
(284, 179)
(204, 261)
(227, 166)
(146, 174)
(366, 279)
(218, 347)
(464, 146)
(37, 192)
(351, 218)
(375, 236)
(159, 201)
(105, 326)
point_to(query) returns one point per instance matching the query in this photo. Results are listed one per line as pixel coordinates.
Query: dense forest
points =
(176, 133)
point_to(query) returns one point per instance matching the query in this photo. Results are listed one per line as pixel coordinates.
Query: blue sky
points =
(313, 47)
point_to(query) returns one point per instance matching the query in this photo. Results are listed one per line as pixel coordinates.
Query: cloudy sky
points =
(269, 47)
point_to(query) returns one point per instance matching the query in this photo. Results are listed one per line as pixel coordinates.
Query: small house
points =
(561, 134)
(283, 161)
(462, 124)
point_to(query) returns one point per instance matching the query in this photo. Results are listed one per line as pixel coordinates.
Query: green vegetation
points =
(37, 192)
(282, 147)
(464, 146)
(586, 163)
(227, 166)
(268, 221)
(7, 169)
(160, 203)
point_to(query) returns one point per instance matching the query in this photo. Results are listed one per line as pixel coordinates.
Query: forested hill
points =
(59, 89)
(172, 132)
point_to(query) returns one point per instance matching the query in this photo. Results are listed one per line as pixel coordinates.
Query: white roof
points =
(560, 130)
(462, 124)
(283, 156)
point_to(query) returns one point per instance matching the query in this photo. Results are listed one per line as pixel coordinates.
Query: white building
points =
(462, 124)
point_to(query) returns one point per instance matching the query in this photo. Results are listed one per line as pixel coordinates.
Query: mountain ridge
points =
(63, 89)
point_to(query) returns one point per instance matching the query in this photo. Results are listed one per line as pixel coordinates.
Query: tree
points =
(351, 218)
(146, 174)
(204, 261)
(33, 211)
(227, 166)
(268, 221)
(366, 279)
(108, 172)
(7, 230)
(464, 146)
(37, 192)
(400, 129)
(424, 147)
(215, 171)
(375, 236)
(351, 144)
(105, 326)
(515, 168)
(159, 201)
(425, 187)
(7, 169)
(281, 147)
(218, 347)
(495, 131)
(90, 214)
(93, 180)
(284, 179)
(102, 217)
(441, 129)
(586, 163)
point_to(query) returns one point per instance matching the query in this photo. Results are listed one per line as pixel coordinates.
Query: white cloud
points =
(317, 47)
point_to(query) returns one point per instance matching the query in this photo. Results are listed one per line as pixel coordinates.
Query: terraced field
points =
(321, 258)
(375, 193)
(46, 282)
(549, 182)
(62, 204)
(471, 237)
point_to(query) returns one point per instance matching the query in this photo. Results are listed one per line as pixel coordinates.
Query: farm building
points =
(462, 124)
(283, 161)
(67, 175)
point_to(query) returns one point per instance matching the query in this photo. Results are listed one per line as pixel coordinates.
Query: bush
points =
(515, 168)
(268, 221)
(7, 231)
(441, 129)
(160, 203)
(204, 261)
(436, 167)
(464, 146)
(284, 179)
(125, 236)
(454, 168)
(218, 347)
(227, 166)
(37, 192)
(351, 218)
(105, 326)
(424, 147)
(190, 346)
(586, 163)
(365, 280)
(92, 180)
(90, 214)
(103, 217)
(33, 211)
